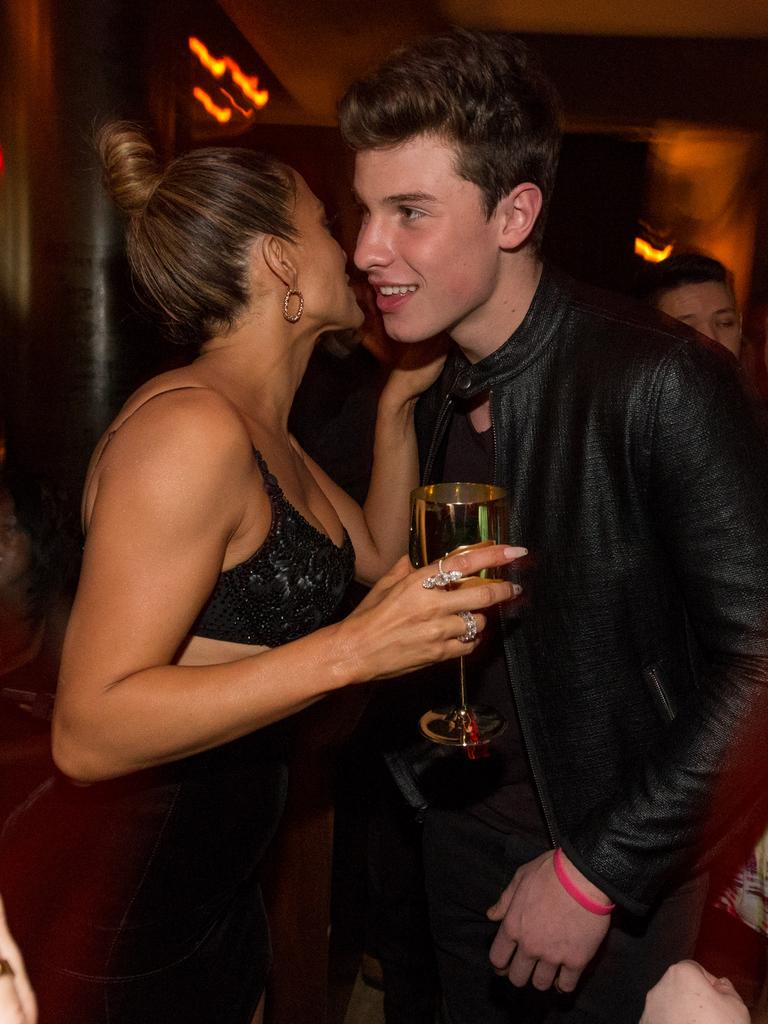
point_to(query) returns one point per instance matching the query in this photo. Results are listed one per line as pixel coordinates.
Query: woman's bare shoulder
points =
(177, 416)
(169, 439)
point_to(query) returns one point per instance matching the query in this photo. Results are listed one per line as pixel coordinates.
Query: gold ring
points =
(6, 970)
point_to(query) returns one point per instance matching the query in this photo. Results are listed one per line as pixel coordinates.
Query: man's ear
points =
(279, 260)
(517, 214)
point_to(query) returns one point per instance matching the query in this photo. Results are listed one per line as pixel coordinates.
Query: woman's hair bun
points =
(192, 225)
(131, 168)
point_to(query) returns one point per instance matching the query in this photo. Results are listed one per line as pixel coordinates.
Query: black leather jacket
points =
(638, 476)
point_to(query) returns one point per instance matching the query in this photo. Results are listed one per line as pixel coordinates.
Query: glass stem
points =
(462, 685)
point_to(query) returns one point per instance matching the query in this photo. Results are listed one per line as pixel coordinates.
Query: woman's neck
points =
(260, 379)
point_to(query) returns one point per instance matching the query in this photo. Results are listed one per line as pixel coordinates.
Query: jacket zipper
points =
(437, 436)
(493, 431)
(523, 725)
(652, 675)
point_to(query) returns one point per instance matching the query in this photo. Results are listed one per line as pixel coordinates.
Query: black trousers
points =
(467, 864)
(399, 931)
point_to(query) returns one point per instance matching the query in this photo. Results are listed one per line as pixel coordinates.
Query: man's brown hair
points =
(482, 91)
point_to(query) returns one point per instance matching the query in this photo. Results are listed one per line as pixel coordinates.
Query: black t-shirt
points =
(499, 788)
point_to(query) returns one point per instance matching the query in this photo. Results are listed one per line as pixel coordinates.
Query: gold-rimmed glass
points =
(447, 518)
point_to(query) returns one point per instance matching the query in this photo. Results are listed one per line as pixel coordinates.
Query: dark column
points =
(72, 345)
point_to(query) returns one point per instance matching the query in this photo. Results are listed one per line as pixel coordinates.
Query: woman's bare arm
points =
(170, 509)
(379, 531)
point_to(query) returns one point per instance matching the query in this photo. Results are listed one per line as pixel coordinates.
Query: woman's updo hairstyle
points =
(191, 226)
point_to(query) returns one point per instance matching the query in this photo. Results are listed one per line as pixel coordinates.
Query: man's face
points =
(425, 243)
(709, 308)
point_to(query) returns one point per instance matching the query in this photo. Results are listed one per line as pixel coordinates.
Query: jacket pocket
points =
(663, 700)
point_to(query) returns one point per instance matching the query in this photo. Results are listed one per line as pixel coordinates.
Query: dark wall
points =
(595, 209)
(72, 343)
(640, 81)
(631, 85)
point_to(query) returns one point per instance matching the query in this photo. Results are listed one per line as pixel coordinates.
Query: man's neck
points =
(489, 327)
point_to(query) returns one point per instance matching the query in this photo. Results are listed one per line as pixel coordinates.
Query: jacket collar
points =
(539, 326)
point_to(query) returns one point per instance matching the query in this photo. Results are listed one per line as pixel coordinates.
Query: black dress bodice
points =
(290, 587)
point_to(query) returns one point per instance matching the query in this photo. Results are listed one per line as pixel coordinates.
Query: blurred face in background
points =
(709, 307)
(15, 546)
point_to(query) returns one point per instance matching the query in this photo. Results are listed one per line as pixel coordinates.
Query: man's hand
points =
(545, 936)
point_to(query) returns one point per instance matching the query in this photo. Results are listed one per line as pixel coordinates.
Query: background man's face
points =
(709, 308)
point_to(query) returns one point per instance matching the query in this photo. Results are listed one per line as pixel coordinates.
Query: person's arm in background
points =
(687, 994)
(379, 530)
(17, 1000)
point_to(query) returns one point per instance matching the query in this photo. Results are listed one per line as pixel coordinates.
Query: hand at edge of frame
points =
(17, 1000)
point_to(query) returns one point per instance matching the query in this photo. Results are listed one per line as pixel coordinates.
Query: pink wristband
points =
(573, 890)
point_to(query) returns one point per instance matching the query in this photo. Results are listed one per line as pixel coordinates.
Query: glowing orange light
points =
(235, 104)
(648, 253)
(247, 84)
(222, 114)
(200, 50)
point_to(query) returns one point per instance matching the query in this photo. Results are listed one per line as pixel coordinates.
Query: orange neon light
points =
(248, 84)
(200, 50)
(222, 114)
(235, 104)
(648, 253)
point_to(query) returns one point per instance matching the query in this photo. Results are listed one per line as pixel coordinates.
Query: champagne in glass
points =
(446, 518)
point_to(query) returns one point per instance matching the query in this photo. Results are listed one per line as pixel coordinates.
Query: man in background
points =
(697, 290)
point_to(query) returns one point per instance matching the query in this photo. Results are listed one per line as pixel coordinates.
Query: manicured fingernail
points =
(515, 552)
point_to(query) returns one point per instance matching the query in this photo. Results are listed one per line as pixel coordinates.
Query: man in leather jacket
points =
(635, 680)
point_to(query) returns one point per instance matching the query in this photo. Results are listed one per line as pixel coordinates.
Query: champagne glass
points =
(445, 519)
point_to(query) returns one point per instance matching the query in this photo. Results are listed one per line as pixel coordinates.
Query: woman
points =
(216, 555)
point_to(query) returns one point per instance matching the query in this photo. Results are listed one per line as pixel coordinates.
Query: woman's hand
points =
(402, 626)
(415, 368)
(17, 1000)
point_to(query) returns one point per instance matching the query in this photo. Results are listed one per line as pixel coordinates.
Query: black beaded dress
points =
(138, 900)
